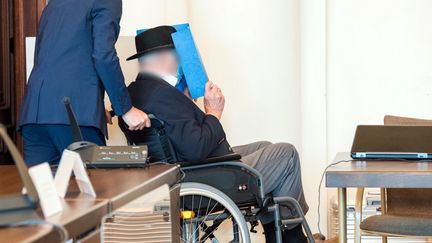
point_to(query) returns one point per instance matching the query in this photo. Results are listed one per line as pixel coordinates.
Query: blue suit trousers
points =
(45, 143)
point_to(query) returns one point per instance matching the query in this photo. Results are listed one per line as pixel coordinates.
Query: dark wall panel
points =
(6, 73)
(19, 19)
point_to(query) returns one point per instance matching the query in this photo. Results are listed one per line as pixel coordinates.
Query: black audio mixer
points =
(95, 156)
(113, 156)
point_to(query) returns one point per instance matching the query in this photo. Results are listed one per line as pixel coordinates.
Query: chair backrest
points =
(399, 120)
(156, 139)
(408, 202)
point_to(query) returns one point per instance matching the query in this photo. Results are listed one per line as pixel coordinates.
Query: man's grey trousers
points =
(279, 164)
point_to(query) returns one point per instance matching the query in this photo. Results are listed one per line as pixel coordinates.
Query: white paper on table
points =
(82, 178)
(71, 162)
(64, 172)
(44, 183)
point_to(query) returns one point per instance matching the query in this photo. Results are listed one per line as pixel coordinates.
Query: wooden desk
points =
(381, 174)
(114, 188)
(36, 234)
(80, 215)
(10, 184)
(121, 186)
(77, 217)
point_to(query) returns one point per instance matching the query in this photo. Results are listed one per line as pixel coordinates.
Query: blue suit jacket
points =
(75, 57)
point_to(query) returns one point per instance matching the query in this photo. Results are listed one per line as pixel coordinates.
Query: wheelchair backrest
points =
(156, 139)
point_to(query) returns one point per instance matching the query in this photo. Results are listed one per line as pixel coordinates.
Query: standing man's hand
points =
(214, 100)
(136, 119)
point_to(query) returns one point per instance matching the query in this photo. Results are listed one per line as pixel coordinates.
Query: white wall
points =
(139, 14)
(313, 105)
(379, 62)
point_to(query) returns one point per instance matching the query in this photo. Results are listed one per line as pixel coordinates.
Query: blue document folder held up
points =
(190, 60)
(178, 27)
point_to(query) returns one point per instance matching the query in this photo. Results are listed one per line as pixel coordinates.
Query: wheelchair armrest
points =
(223, 158)
(213, 160)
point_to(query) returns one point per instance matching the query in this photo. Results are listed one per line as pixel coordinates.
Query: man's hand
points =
(214, 101)
(136, 119)
(108, 117)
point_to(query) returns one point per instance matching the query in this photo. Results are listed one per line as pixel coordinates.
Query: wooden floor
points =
(226, 233)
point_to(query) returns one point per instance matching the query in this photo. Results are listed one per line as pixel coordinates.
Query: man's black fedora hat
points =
(152, 40)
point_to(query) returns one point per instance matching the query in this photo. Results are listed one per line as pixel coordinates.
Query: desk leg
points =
(342, 215)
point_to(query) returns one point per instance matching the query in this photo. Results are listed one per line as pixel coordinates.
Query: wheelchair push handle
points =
(113, 114)
(151, 116)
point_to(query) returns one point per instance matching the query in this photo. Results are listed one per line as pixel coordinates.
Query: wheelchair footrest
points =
(298, 219)
(292, 221)
(253, 225)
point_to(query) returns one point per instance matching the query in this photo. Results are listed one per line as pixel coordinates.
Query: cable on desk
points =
(38, 222)
(319, 189)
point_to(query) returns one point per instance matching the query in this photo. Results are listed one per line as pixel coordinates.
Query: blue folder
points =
(178, 27)
(190, 60)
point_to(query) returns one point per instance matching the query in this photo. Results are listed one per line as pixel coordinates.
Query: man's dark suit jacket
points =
(75, 57)
(194, 135)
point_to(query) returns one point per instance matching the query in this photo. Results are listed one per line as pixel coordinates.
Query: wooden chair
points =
(405, 212)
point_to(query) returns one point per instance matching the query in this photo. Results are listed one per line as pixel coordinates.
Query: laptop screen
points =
(393, 139)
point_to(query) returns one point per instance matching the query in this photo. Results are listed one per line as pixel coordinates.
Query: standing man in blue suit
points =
(75, 57)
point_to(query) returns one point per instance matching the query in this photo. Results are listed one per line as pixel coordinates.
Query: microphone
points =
(76, 131)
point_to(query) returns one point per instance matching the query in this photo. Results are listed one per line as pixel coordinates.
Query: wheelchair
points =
(220, 192)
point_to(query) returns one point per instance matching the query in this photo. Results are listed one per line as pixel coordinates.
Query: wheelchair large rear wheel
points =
(208, 215)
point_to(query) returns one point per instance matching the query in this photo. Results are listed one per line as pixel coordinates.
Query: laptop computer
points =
(18, 207)
(95, 156)
(392, 142)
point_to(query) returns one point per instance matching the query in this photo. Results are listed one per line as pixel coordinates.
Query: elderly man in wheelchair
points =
(223, 185)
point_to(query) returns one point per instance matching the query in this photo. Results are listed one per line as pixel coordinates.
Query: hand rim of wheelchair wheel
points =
(231, 212)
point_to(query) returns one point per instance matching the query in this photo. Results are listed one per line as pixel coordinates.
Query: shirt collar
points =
(167, 77)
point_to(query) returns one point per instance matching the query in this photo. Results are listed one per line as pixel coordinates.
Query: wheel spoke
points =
(199, 206)
(201, 223)
(210, 209)
(206, 216)
(208, 234)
